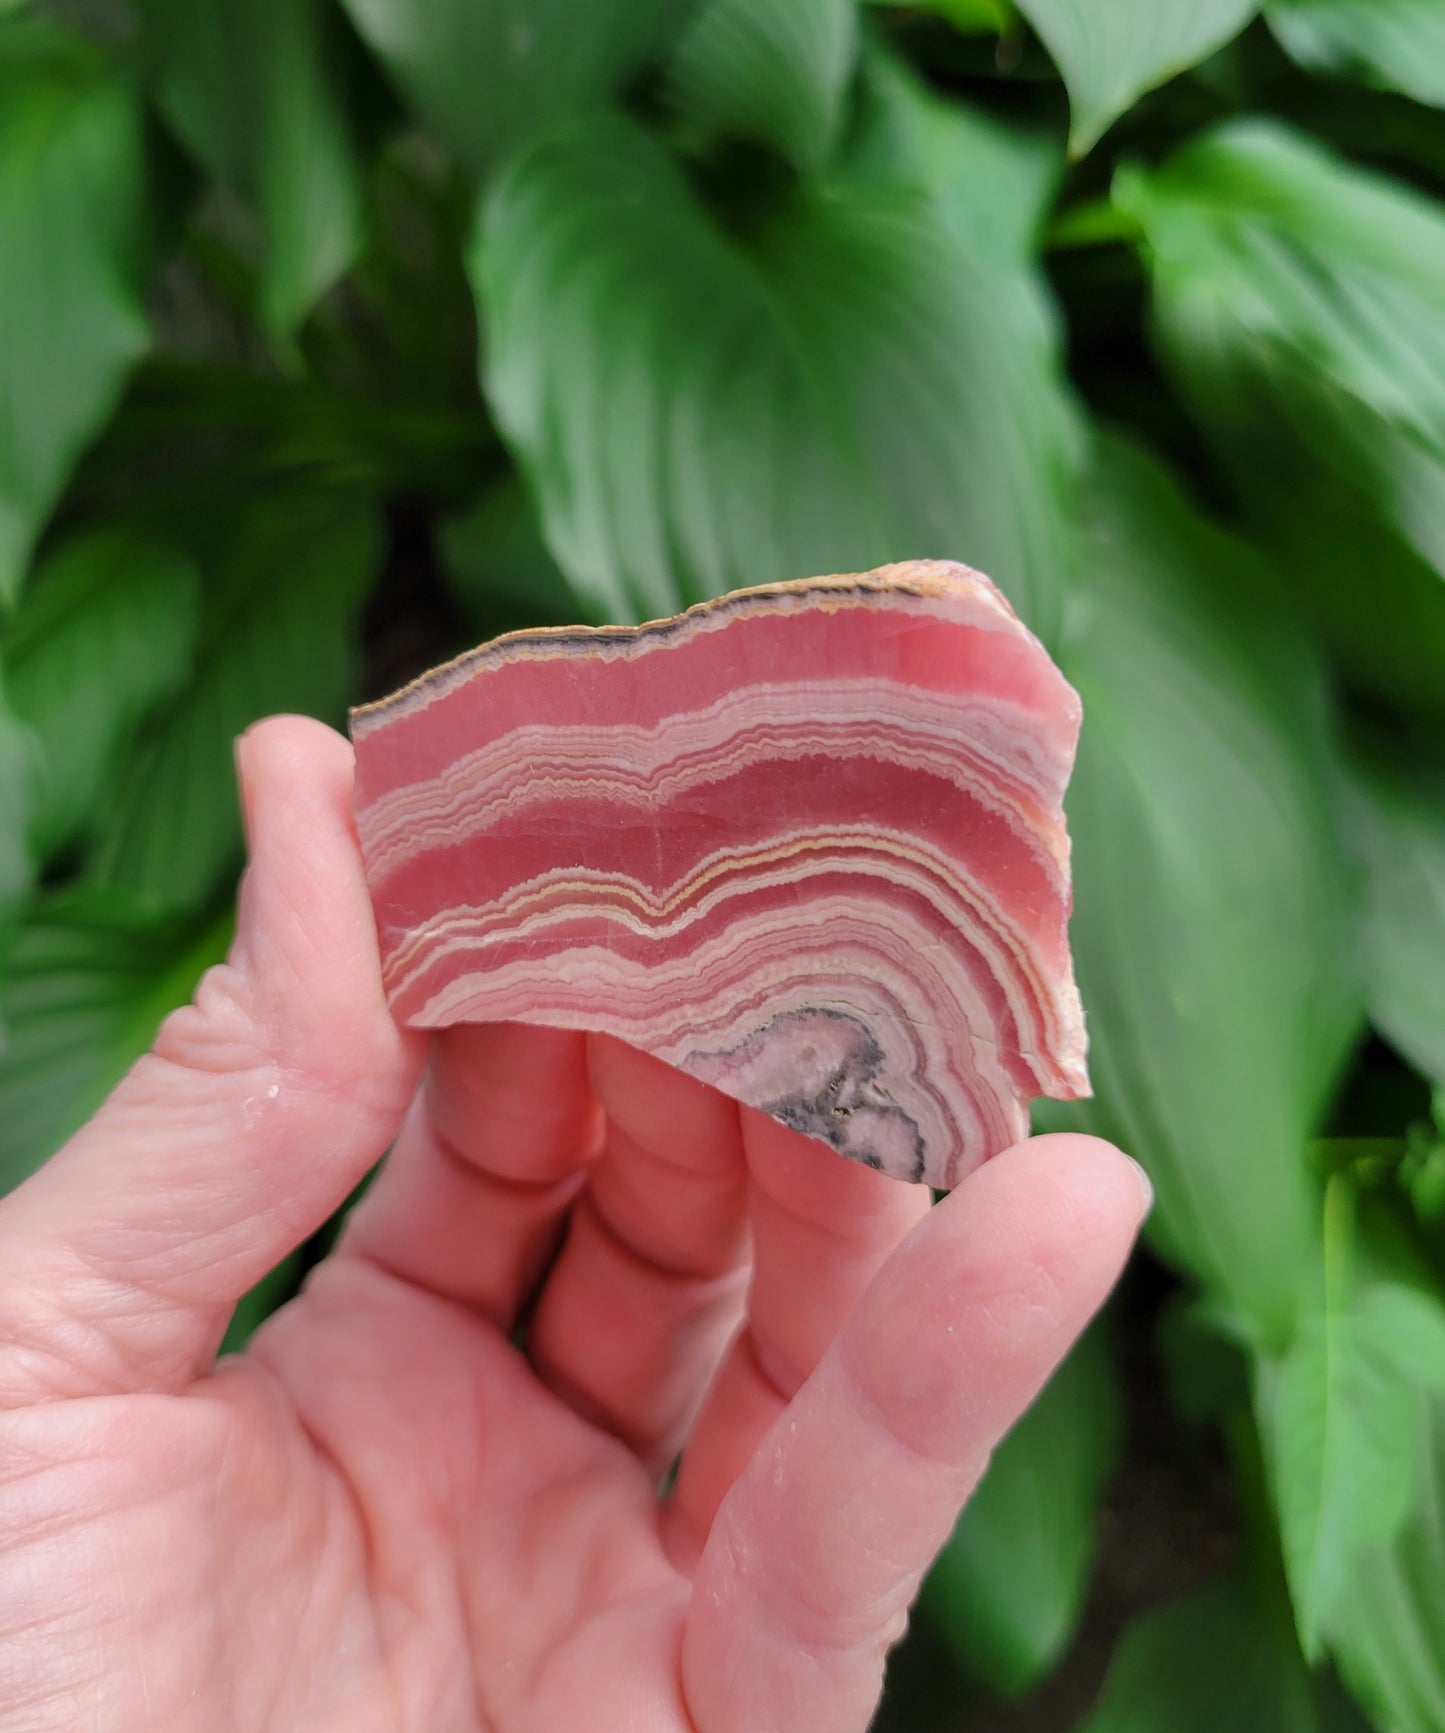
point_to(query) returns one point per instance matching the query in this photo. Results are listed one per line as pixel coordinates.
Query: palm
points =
(388, 1516)
(359, 1576)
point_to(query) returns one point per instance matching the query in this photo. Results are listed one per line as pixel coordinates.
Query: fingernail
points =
(239, 750)
(1145, 1185)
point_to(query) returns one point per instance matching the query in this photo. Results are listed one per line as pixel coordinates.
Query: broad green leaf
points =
(1389, 1638)
(1211, 923)
(497, 568)
(1343, 1418)
(1257, 233)
(491, 73)
(277, 633)
(87, 981)
(1007, 1591)
(1395, 44)
(1395, 819)
(966, 15)
(19, 775)
(1360, 550)
(1409, 1325)
(105, 634)
(1224, 1660)
(1296, 297)
(1111, 51)
(991, 181)
(254, 89)
(74, 244)
(773, 70)
(694, 413)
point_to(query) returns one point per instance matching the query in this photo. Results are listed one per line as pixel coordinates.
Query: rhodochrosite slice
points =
(804, 842)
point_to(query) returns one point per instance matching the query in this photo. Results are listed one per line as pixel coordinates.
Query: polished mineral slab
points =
(804, 842)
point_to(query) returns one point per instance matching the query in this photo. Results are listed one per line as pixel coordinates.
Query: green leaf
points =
(1111, 51)
(991, 181)
(1211, 920)
(772, 70)
(1389, 1640)
(74, 247)
(1223, 1660)
(970, 16)
(105, 635)
(254, 88)
(497, 568)
(277, 634)
(1296, 299)
(490, 75)
(1260, 235)
(694, 414)
(1330, 520)
(1343, 1417)
(1394, 44)
(19, 774)
(1007, 1591)
(1409, 1325)
(1395, 818)
(88, 980)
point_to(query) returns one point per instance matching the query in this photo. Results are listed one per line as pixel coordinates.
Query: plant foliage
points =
(337, 334)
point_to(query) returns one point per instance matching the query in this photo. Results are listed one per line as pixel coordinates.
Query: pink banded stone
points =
(804, 842)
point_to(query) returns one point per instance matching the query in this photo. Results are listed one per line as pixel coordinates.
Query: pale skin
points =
(386, 1518)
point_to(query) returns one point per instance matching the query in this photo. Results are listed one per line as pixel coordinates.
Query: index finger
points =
(259, 1107)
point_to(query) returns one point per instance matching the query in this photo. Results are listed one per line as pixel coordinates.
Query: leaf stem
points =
(1339, 1242)
(1093, 223)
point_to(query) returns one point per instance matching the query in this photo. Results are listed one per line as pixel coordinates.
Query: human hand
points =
(384, 1516)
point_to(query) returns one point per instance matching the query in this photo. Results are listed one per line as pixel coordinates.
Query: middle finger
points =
(651, 1281)
(472, 1199)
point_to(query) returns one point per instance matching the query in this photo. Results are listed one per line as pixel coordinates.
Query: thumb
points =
(259, 1107)
(821, 1544)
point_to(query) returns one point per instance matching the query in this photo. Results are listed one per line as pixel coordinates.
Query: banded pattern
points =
(804, 842)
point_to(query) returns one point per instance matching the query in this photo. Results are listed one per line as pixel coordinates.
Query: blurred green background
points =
(336, 335)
